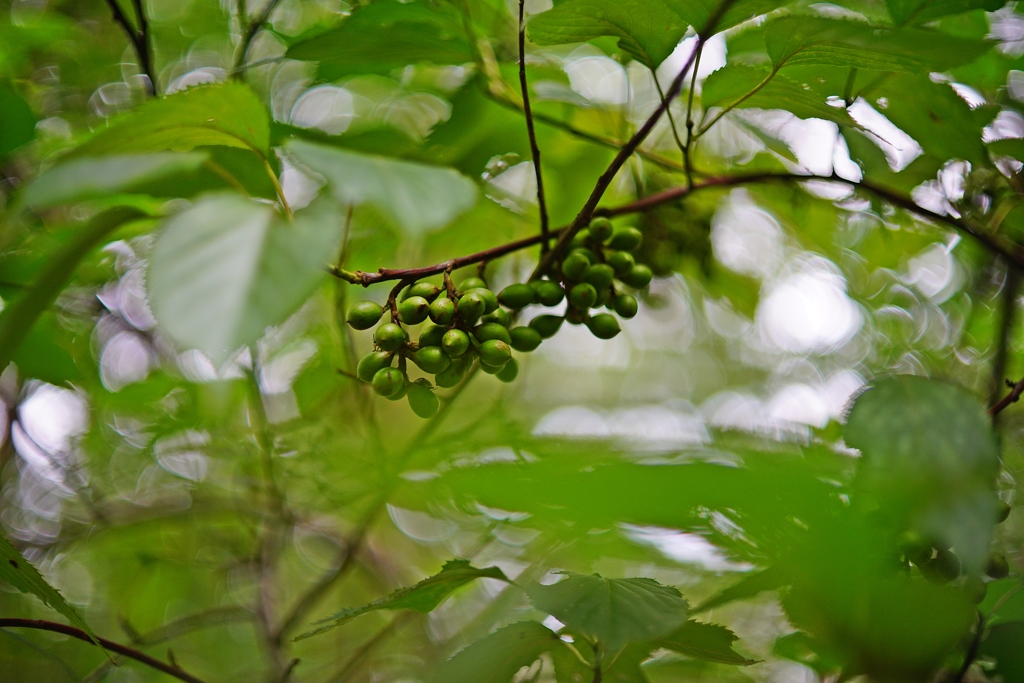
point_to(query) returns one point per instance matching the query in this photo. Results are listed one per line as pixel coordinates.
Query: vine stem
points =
(41, 625)
(534, 149)
(138, 37)
(689, 118)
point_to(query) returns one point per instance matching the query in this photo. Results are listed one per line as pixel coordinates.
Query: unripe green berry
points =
(389, 337)
(975, 589)
(431, 359)
(494, 352)
(471, 307)
(509, 372)
(582, 296)
(915, 547)
(371, 363)
(586, 253)
(579, 239)
(626, 239)
(423, 289)
(603, 326)
(453, 375)
(547, 325)
(575, 316)
(413, 310)
(388, 381)
(431, 335)
(489, 331)
(516, 296)
(621, 262)
(498, 315)
(638, 277)
(471, 283)
(997, 567)
(1002, 511)
(455, 343)
(603, 296)
(549, 293)
(364, 315)
(524, 339)
(490, 369)
(490, 299)
(600, 229)
(442, 311)
(942, 568)
(625, 305)
(422, 399)
(575, 266)
(400, 394)
(600, 275)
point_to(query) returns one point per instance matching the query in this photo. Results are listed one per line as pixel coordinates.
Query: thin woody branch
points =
(249, 33)
(1016, 389)
(534, 149)
(138, 37)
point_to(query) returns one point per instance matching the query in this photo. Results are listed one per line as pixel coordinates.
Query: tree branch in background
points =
(671, 119)
(1016, 389)
(534, 149)
(248, 33)
(138, 37)
(39, 624)
(689, 118)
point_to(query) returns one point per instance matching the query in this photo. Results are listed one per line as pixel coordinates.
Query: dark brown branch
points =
(54, 627)
(1015, 391)
(534, 149)
(248, 34)
(145, 45)
(138, 37)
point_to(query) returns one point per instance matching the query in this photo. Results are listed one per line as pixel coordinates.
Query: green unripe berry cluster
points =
(473, 324)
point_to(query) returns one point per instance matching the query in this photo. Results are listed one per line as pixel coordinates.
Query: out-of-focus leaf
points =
(921, 11)
(497, 657)
(840, 42)
(225, 269)
(699, 12)
(747, 587)
(19, 572)
(613, 611)
(930, 457)
(1005, 644)
(384, 36)
(90, 178)
(704, 641)
(1010, 147)
(17, 121)
(803, 648)
(42, 356)
(228, 114)
(419, 198)
(732, 82)
(875, 167)
(1000, 604)
(422, 597)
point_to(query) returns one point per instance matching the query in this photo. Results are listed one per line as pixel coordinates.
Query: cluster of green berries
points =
(472, 323)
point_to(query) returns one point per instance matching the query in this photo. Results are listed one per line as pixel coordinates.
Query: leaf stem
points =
(753, 91)
(534, 149)
(687, 161)
(671, 119)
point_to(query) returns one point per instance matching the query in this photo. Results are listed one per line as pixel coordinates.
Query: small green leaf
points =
(384, 36)
(422, 597)
(419, 198)
(612, 611)
(89, 178)
(17, 121)
(904, 12)
(704, 641)
(731, 84)
(496, 658)
(838, 42)
(19, 572)
(747, 587)
(226, 114)
(224, 270)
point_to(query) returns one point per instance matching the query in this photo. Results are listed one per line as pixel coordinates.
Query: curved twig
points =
(534, 149)
(250, 32)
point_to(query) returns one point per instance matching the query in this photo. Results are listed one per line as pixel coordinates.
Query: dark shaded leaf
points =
(17, 121)
(905, 12)
(704, 641)
(1005, 644)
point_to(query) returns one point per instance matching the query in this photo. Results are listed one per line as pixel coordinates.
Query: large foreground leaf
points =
(224, 270)
(904, 12)
(731, 84)
(417, 197)
(496, 658)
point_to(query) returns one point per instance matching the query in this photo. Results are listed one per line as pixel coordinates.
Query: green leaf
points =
(1005, 644)
(929, 454)
(43, 354)
(1009, 147)
(905, 12)
(19, 572)
(837, 42)
(747, 587)
(225, 269)
(422, 597)
(17, 121)
(91, 178)
(496, 658)
(704, 641)
(1004, 601)
(228, 114)
(384, 36)
(699, 12)
(733, 82)
(612, 611)
(417, 197)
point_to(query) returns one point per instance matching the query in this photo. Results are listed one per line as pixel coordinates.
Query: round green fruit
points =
(1002, 511)
(455, 343)
(495, 353)
(975, 589)
(489, 331)
(471, 283)
(431, 335)
(524, 339)
(516, 296)
(942, 568)
(626, 239)
(575, 316)
(601, 229)
(549, 293)
(547, 325)
(389, 337)
(603, 296)
(603, 326)
(575, 266)
(621, 262)
(422, 399)
(453, 375)
(580, 239)
(586, 253)
(490, 299)
(431, 359)
(471, 307)
(509, 372)
(423, 289)
(625, 305)
(582, 296)
(413, 310)
(400, 394)
(638, 277)
(498, 315)
(442, 311)
(388, 381)
(599, 275)
(997, 567)
(371, 363)
(364, 315)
